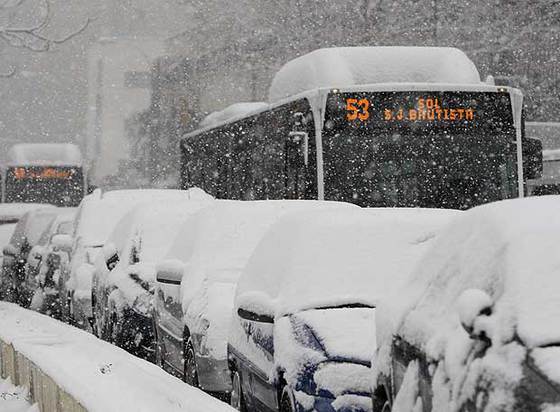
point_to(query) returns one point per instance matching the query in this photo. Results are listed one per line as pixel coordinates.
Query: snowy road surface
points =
(97, 374)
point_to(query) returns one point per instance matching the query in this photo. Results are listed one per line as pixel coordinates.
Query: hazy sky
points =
(46, 99)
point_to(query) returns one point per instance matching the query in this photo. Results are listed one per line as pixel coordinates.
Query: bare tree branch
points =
(33, 37)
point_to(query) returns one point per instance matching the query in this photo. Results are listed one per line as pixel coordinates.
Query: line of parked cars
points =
(306, 305)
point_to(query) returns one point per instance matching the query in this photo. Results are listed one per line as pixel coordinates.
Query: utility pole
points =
(435, 24)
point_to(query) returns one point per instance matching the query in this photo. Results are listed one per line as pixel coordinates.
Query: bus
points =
(376, 126)
(44, 173)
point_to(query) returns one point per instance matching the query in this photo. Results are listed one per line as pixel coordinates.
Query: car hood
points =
(345, 334)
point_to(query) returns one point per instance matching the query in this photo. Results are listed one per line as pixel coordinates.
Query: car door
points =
(169, 320)
(257, 361)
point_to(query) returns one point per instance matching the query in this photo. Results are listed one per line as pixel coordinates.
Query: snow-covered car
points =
(476, 326)
(27, 233)
(10, 213)
(44, 262)
(196, 284)
(96, 217)
(302, 332)
(123, 296)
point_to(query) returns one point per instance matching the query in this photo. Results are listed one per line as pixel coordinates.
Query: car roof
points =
(337, 257)
(508, 249)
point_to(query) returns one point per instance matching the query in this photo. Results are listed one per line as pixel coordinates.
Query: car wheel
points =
(236, 398)
(190, 375)
(287, 403)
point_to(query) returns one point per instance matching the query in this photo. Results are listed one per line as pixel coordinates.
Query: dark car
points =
(28, 233)
(476, 327)
(302, 334)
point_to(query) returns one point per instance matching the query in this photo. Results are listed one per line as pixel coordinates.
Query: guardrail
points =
(42, 389)
(68, 370)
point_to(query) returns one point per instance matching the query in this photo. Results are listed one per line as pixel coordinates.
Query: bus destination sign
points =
(422, 109)
(21, 173)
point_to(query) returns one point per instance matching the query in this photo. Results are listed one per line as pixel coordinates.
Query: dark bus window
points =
(247, 160)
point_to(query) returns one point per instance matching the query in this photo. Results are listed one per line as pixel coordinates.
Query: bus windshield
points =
(418, 149)
(60, 186)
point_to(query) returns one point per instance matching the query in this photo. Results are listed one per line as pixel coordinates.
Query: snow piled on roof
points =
(236, 110)
(326, 258)
(350, 66)
(99, 216)
(44, 154)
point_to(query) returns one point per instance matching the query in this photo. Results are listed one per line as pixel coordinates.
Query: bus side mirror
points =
(297, 149)
(532, 158)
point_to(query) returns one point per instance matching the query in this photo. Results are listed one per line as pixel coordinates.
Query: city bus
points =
(44, 173)
(413, 127)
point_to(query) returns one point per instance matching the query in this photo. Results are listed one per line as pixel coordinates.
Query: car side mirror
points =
(254, 316)
(111, 256)
(170, 272)
(35, 256)
(532, 158)
(475, 305)
(297, 148)
(10, 251)
(62, 242)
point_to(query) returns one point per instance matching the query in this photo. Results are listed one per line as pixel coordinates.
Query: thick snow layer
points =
(328, 258)
(98, 216)
(44, 154)
(506, 249)
(14, 211)
(342, 339)
(235, 111)
(350, 66)
(14, 398)
(102, 377)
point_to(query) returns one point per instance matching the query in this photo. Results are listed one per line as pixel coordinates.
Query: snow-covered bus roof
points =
(349, 66)
(44, 154)
(236, 110)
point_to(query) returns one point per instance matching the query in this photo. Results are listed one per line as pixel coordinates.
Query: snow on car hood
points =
(345, 333)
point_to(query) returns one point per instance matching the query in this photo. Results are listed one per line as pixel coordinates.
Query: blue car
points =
(302, 336)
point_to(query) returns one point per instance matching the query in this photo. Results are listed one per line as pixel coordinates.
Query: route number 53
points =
(357, 109)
